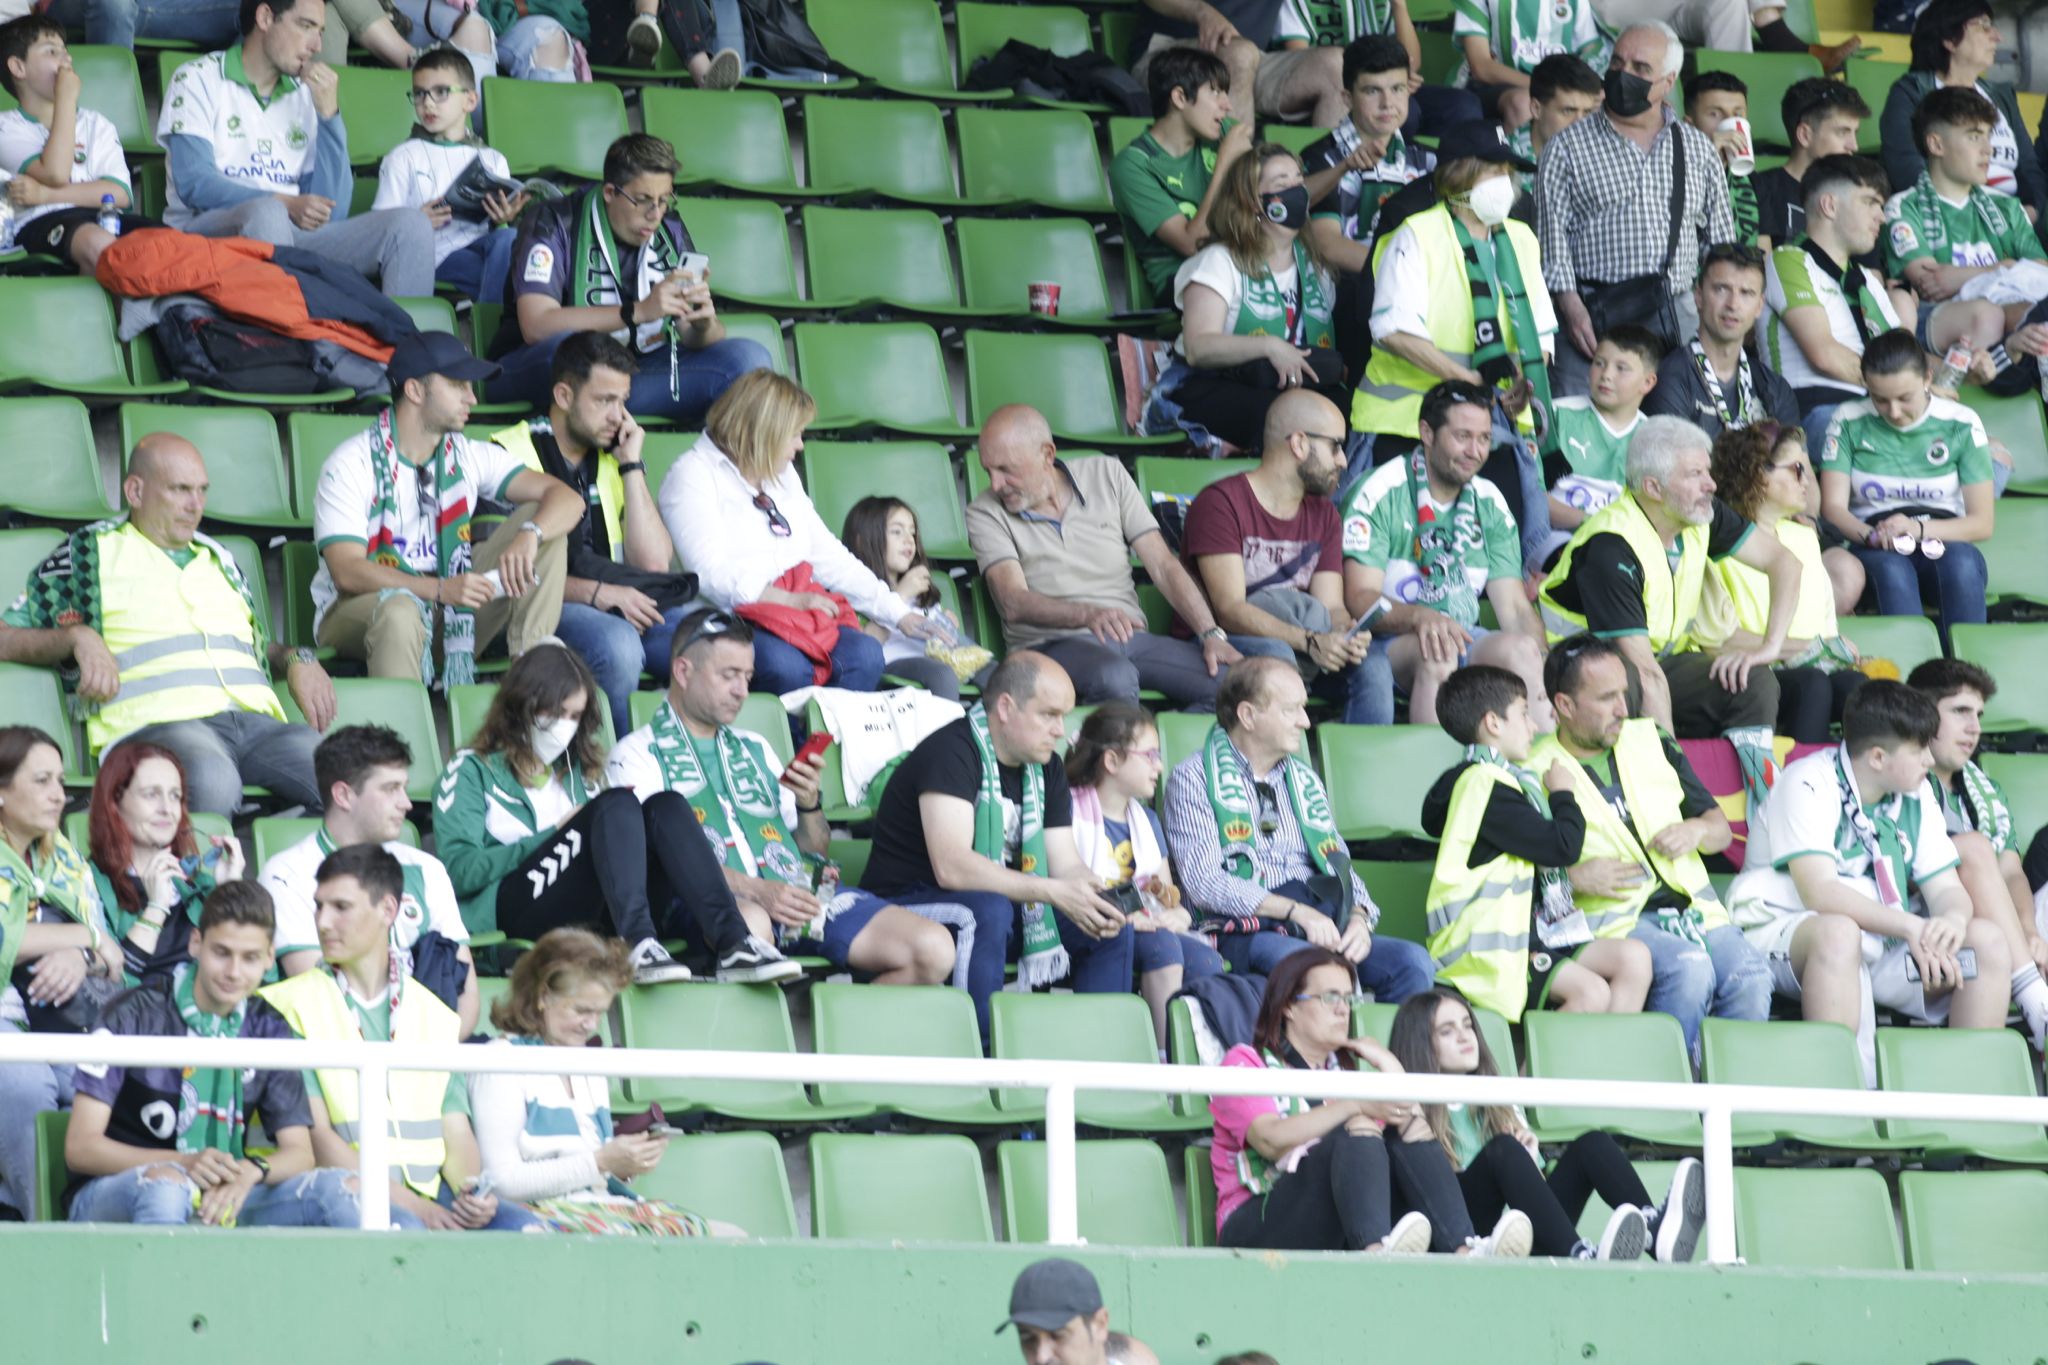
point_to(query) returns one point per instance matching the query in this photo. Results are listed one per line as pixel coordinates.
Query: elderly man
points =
(163, 641)
(1054, 539)
(1633, 573)
(1604, 192)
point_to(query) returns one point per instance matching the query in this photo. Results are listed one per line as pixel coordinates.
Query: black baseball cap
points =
(1481, 139)
(425, 353)
(1051, 1293)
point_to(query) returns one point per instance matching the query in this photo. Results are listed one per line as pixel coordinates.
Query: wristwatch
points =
(1215, 633)
(540, 537)
(301, 655)
(632, 467)
(259, 1163)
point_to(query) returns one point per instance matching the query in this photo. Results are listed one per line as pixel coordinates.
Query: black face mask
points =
(1287, 208)
(1627, 93)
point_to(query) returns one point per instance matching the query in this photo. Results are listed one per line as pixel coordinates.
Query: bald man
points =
(1054, 539)
(1267, 546)
(159, 636)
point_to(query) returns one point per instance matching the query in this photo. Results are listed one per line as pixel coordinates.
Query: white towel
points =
(874, 729)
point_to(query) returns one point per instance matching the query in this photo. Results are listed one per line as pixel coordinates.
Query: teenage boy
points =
(63, 159)
(1503, 40)
(1850, 891)
(1712, 98)
(1365, 158)
(362, 771)
(1502, 925)
(1562, 90)
(362, 994)
(1164, 183)
(1589, 466)
(1340, 23)
(1948, 229)
(167, 1144)
(1980, 823)
(1822, 118)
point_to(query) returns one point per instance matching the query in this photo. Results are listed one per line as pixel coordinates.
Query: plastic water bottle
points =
(1954, 366)
(110, 217)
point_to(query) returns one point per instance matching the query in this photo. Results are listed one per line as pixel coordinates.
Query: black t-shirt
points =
(589, 533)
(946, 763)
(1682, 392)
(1694, 801)
(1781, 213)
(1606, 582)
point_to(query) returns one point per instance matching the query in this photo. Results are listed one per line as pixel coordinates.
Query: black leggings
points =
(637, 863)
(1504, 1176)
(1346, 1194)
(1232, 402)
(1810, 700)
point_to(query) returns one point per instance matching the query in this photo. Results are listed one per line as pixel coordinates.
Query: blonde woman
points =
(736, 509)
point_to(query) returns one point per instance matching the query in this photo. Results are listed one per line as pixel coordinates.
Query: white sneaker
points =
(1683, 1213)
(1409, 1237)
(652, 966)
(724, 73)
(643, 41)
(1627, 1236)
(1511, 1237)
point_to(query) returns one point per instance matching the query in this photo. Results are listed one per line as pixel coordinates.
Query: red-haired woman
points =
(152, 870)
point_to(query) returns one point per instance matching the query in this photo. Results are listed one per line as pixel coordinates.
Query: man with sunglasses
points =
(616, 258)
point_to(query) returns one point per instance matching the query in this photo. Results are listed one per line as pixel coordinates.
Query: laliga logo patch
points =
(1937, 454)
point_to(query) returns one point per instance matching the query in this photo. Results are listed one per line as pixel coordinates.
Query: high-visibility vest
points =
(1390, 398)
(1650, 787)
(183, 638)
(611, 485)
(313, 1004)
(1747, 591)
(1479, 916)
(1671, 598)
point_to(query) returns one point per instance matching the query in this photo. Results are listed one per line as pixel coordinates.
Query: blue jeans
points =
(1900, 583)
(478, 270)
(1365, 690)
(26, 1090)
(510, 1217)
(1189, 952)
(312, 1199)
(617, 652)
(780, 666)
(209, 23)
(518, 44)
(701, 375)
(1729, 979)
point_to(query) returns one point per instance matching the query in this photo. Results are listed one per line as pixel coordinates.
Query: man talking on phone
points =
(765, 819)
(620, 603)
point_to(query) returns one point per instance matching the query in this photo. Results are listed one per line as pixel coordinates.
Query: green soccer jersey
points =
(1981, 231)
(1926, 465)
(1522, 33)
(1331, 23)
(1152, 186)
(1592, 456)
(1444, 560)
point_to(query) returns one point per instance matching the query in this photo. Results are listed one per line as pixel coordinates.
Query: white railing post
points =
(1062, 1217)
(373, 1118)
(1718, 1149)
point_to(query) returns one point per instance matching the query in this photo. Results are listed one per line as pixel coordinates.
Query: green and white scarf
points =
(1982, 803)
(1489, 346)
(1254, 1172)
(61, 882)
(210, 1100)
(1441, 546)
(1336, 23)
(1303, 316)
(1559, 922)
(1044, 960)
(597, 280)
(453, 507)
(1231, 800)
(743, 810)
(1934, 229)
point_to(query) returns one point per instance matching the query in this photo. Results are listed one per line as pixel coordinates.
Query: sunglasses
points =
(1269, 808)
(777, 522)
(710, 628)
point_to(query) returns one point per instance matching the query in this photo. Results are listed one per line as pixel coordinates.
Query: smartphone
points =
(1965, 957)
(693, 263)
(666, 1130)
(814, 748)
(1371, 617)
(479, 1185)
(1125, 897)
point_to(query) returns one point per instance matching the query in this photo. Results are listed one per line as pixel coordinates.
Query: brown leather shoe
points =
(1832, 59)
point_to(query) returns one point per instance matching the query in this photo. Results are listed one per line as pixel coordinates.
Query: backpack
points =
(200, 346)
(1086, 77)
(779, 38)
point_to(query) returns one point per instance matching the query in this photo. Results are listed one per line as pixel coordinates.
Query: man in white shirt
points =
(1850, 889)
(362, 772)
(257, 149)
(397, 574)
(64, 160)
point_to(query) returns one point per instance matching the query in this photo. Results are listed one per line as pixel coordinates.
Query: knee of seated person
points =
(932, 953)
(165, 1173)
(1500, 1144)
(267, 220)
(1117, 680)
(1835, 943)
(1241, 56)
(1994, 959)
(552, 50)
(617, 802)
(734, 356)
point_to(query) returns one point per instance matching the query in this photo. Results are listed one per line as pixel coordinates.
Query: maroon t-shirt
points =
(1228, 519)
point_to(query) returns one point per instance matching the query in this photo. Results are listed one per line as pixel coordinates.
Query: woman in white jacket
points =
(740, 520)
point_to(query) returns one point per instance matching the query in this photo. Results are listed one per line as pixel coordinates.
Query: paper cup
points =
(1044, 298)
(1742, 160)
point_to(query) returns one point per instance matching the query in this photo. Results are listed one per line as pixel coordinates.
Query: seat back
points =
(111, 87)
(244, 463)
(1044, 157)
(1079, 1028)
(1001, 258)
(62, 333)
(553, 126)
(735, 1178)
(402, 704)
(1374, 1019)
(62, 482)
(1357, 763)
(896, 255)
(897, 42)
(981, 30)
(722, 137)
(1614, 1047)
(376, 108)
(1818, 1220)
(1123, 1193)
(920, 473)
(1815, 1055)
(1201, 1187)
(52, 1175)
(885, 372)
(1907, 641)
(1170, 476)
(1401, 890)
(898, 1187)
(2015, 570)
(748, 243)
(314, 436)
(2024, 779)
(714, 1016)
(270, 835)
(22, 553)
(1961, 1062)
(1976, 1222)
(907, 1021)
(34, 696)
(895, 147)
(2012, 650)
(1066, 377)
(1768, 75)
(2014, 422)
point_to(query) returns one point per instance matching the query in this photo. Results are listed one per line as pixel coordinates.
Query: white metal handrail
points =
(373, 1062)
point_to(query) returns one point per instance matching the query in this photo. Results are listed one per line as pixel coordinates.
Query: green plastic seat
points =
(402, 704)
(896, 1187)
(1087, 1028)
(736, 1178)
(904, 1021)
(1656, 1178)
(661, 449)
(1768, 75)
(1044, 157)
(1373, 1019)
(1295, 137)
(2014, 567)
(34, 696)
(748, 243)
(1792, 1053)
(764, 329)
(1979, 1222)
(838, 475)
(895, 148)
(1162, 477)
(52, 1175)
(61, 336)
(1201, 1187)
(433, 314)
(1181, 734)
(763, 714)
(270, 835)
(1816, 1220)
(852, 856)
(1124, 1194)
(724, 1018)
(894, 256)
(981, 30)
(1874, 81)
(62, 482)
(468, 703)
(1961, 1062)
(376, 108)
(1066, 377)
(900, 45)
(1609, 1047)
(1356, 761)
(248, 557)
(1906, 640)
(2016, 423)
(21, 553)
(2024, 778)
(244, 464)
(111, 86)
(2013, 651)
(877, 374)
(313, 437)
(735, 138)
(553, 126)
(1001, 258)
(489, 991)
(1401, 890)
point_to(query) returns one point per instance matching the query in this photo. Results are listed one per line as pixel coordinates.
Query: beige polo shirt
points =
(1085, 558)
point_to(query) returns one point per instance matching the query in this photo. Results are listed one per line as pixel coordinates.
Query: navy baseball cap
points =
(1480, 139)
(1051, 1293)
(425, 353)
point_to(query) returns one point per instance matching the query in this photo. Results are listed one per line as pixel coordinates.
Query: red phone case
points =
(813, 748)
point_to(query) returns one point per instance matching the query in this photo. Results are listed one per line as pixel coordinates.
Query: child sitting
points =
(1587, 469)
(1501, 868)
(882, 533)
(471, 256)
(65, 160)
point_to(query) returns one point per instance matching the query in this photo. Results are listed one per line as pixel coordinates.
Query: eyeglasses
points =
(711, 627)
(433, 94)
(1152, 754)
(777, 522)
(1336, 442)
(1336, 1000)
(1269, 808)
(647, 206)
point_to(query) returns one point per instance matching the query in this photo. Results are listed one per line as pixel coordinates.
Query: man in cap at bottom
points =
(1056, 1307)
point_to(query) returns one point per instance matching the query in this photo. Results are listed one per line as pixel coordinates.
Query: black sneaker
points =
(652, 966)
(756, 960)
(1683, 1214)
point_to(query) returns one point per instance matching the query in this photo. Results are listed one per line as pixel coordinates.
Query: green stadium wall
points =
(333, 1298)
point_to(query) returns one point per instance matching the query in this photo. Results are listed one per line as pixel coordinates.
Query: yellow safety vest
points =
(182, 638)
(1479, 916)
(1654, 795)
(1390, 399)
(1671, 599)
(611, 485)
(313, 1004)
(1738, 597)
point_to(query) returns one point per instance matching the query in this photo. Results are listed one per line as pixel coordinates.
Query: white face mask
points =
(551, 738)
(1490, 200)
